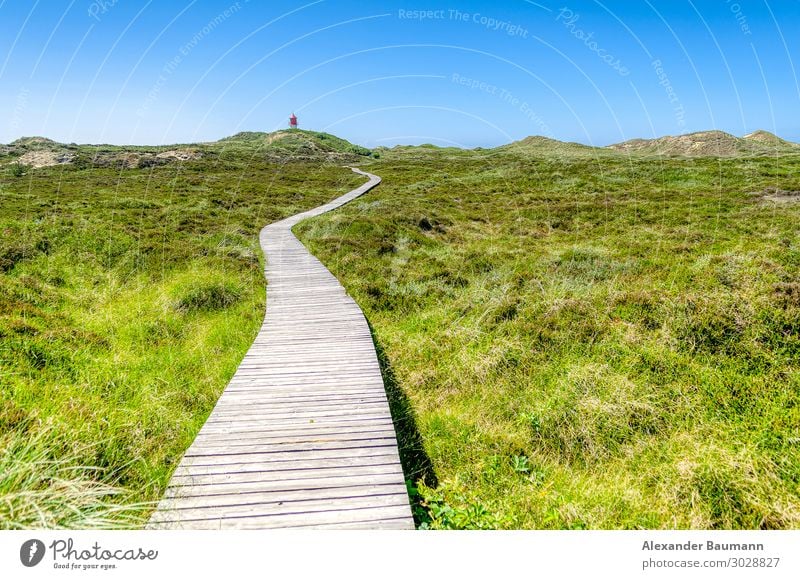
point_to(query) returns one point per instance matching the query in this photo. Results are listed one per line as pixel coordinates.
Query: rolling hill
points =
(278, 146)
(709, 144)
(571, 337)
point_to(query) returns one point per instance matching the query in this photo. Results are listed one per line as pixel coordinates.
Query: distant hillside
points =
(279, 146)
(767, 138)
(295, 144)
(313, 146)
(709, 144)
(35, 143)
(37, 152)
(544, 145)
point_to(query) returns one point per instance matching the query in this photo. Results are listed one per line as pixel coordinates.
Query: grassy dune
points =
(584, 340)
(127, 299)
(571, 337)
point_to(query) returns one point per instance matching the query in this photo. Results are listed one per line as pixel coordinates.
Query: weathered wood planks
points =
(302, 436)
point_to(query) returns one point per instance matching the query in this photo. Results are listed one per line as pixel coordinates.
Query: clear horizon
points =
(468, 74)
(180, 143)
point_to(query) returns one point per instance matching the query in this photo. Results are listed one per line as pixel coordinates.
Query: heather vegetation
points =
(570, 337)
(584, 339)
(128, 296)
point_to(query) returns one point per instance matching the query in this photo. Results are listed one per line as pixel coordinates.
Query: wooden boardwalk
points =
(302, 437)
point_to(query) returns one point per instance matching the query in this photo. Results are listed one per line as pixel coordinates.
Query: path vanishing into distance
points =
(302, 436)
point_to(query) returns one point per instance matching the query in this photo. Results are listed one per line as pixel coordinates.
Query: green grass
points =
(581, 341)
(127, 300)
(296, 143)
(570, 338)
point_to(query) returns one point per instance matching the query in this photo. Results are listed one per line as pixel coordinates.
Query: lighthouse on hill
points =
(293, 121)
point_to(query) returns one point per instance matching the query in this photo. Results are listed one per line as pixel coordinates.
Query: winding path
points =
(302, 436)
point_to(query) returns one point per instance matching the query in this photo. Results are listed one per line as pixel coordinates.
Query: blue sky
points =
(380, 72)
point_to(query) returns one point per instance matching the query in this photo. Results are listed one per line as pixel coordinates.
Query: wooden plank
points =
(312, 411)
(283, 441)
(299, 398)
(302, 437)
(298, 475)
(256, 453)
(277, 435)
(291, 507)
(239, 430)
(384, 523)
(299, 497)
(268, 457)
(295, 421)
(331, 519)
(255, 405)
(256, 486)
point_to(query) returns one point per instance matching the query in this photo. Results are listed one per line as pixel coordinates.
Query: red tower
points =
(293, 121)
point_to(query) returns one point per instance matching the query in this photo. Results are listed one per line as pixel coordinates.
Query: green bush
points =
(209, 297)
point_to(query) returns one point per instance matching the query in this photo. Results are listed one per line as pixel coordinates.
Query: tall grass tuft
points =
(128, 297)
(42, 487)
(585, 340)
